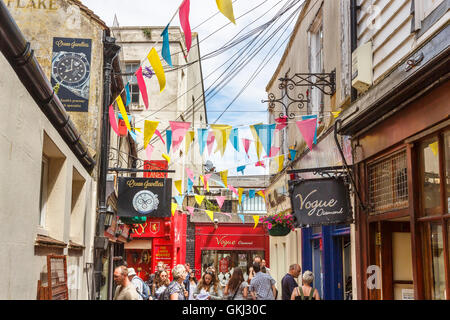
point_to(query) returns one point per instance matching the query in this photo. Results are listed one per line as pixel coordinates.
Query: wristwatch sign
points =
(148, 197)
(71, 72)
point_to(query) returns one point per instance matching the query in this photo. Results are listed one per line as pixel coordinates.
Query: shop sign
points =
(163, 254)
(156, 165)
(318, 202)
(144, 197)
(225, 242)
(149, 229)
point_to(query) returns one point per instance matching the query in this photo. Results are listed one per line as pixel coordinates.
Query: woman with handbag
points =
(237, 287)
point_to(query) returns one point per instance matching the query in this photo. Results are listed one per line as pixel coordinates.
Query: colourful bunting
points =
(123, 112)
(233, 189)
(188, 141)
(142, 86)
(179, 199)
(133, 136)
(169, 140)
(226, 7)
(273, 152)
(307, 129)
(149, 131)
(234, 138)
(178, 185)
(179, 130)
(434, 148)
(336, 113)
(281, 123)
(251, 193)
(202, 139)
(190, 173)
(210, 141)
(154, 60)
(224, 177)
(184, 22)
(190, 185)
(242, 218)
(127, 92)
(205, 181)
(260, 164)
(241, 169)
(240, 192)
(149, 151)
(210, 214)
(220, 200)
(246, 145)
(280, 160)
(256, 219)
(165, 156)
(166, 46)
(112, 120)
(160, 136)
(199, 199)
(174, 208)
(258, 144)
(265, 134)
(222, 133)
(191, 210)
(261, 193)
(315, 132)
(293, 153)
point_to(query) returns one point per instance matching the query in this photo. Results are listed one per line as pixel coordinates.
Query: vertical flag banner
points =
(112, 120)
(142, 86)
(199, 199)
(312, 117)
(210, 214)
(222, 133)
(154, 60)
(149, 151)
(307, 129)
(184, 22)
(179, 130)
(246, 143)
(210, 141)
(234, 138)
(127, 91)
(188, 141)
(166, 46)
(258, 144)
(202, 136)
(220, 200)
(226, 7)
(265, 134)
(224, 176)
(123, 112)
(149, 131)
(178, 186)
(256, 219)
(169, 140)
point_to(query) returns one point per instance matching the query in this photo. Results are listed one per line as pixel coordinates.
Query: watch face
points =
(71, 69)
(145, 202)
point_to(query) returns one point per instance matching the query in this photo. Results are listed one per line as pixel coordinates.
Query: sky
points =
(248, 108)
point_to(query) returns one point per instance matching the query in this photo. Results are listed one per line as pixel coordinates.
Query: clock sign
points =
(71, 71)
(150, 197)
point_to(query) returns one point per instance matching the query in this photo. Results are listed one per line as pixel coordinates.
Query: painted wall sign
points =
(33, 4)
(156, 165)
(144, 197)
(154, 227)
(320, 202)
(71, 72)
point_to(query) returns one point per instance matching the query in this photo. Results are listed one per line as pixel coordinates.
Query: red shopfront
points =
(229, 247)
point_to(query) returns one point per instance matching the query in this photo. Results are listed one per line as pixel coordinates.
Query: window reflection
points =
(430, 176)
(437, 253)
(447, 168)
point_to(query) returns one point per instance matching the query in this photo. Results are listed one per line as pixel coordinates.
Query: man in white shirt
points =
(136, 281)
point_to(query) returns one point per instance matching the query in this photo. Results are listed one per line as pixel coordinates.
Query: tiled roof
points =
(42, 240)
(89, 12)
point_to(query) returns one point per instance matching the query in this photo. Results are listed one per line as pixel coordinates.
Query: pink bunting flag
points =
(233, 189)
(273, 152)
(142, 86)
(220, 200)
(159, 135)
(210, 141)
(191, 210)
(179, 130)
(149, 151)
(227, 214)
(190, 173)
(260, 164)
(246, 145)
(184, 22)
(281, 123)
(112, 120)
(307, 129)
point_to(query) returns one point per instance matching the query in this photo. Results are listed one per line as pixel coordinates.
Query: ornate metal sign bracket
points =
(325, 82)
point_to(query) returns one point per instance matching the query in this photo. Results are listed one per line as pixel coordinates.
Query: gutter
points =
(18, 52)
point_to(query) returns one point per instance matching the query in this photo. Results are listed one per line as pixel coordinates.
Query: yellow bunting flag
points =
(123, 111)
(149, 131)
(336, 113)
(226, 7)
(222, 134)
(256, 219)
(210, 214)
(174, 208)
(260, 193)
(154, 60)
(280, 162)
(138, 130)
(188, 140)
(165, 156)
(258, 143)
(224, 177)
(240, 192)
(434, 148)
(178, 186)
(199, 199)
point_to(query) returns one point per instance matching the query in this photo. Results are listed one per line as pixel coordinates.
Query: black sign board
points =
(320, 201)
(71, 72)
(150, 197)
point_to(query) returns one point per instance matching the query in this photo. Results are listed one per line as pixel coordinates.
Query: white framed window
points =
(315, 36)
(131, 67)
(423, 8)
(44, 193)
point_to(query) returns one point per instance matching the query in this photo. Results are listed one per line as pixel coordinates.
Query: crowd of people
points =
(184, 286)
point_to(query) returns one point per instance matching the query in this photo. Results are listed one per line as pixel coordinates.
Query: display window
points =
(225, 261)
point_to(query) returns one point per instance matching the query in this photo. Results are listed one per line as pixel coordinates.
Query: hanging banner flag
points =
(258, 144)
(293, 153)
(160, 136)
(273, 152)
(336, 113)
(184, 22)
(149, 151)
(169, 140)
(210, 141)
(280, 160)
(202, 139)
(307, 129)
(224, 176)
(261, 193)
(191, 210)
(210, 214)
(179, 130)
(260, 164)
(256, 219)
(127, 91)
(233, 189)
(190, 185)
(281, 123)
(123, 112)
(251, 193)
(220, 200)
(174, 208)
(165, 156)
(112, 120)
(234, 138)
(179, 199)
(265, 134)
(149, 131)
(242, 218)
(246, 143)
(142, 86)
(222, 134)
(315, 132)
(226, 7)
(241, 169)
(190, 173)
(240, 192)
(199, 199)
(178, 184)
(205, 181)
(154, 60)
(166, 46)
(188, 141)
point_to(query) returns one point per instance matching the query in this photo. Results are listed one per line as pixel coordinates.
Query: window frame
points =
(43, 195)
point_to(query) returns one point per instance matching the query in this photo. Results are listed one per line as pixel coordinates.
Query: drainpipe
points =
(354, 37)
(110, 52)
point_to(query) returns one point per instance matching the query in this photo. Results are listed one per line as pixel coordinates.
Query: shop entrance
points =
(391, 252)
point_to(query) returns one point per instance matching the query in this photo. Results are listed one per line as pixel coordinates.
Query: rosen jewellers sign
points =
(144, 197)
(320, 202)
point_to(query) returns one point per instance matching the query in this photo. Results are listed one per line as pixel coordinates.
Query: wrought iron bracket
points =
(325, 82)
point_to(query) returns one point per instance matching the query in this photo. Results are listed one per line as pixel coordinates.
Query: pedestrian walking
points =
(141, 287)
(208, 288)
(266, 268)
(125, 289)
(306, 291)
(186, 282)
(160, 284)
(251, 272)
(176, 290)
(192, 284)
(288, 283)
(237, 287)
(262, 285)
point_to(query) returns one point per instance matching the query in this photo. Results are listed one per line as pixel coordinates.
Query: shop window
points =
(447, 169)
(430, 179)
(78, 207)
(434, 261)
(388, 183)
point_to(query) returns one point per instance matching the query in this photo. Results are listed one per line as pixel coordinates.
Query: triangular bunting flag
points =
(188, 141)
(160, 136)
(242, 218)
(166, 46)
(293, 153)
(149, 151)
(174, 208)
(220, 200)
(226, 7)
(205, 181)
(281, 123)
(261, 193)
(154, 60)
(273, 152)
(241, 169)
(224, 177)
(233, 189)
(280, 160)
(178, 185)
(169, 140)
(240, 192)
(123, 112)
(315, 132)
(265, 134)
(149, 131)
(246, 143)
(202, 139)
(190, 173)
(258, 144)
(307, 129)
(199, 199)
(180, 199)
(127, 92)
(234, 138)
(210, 141)
(179, 130)
(165, 156)
(251, 193)
(256, 219)
(210, 214)
(191, 210)
(184, 22)
(222, 134)
(142, 86)
(260, 164)
(190, 185)
(336, 113)
(113, 121)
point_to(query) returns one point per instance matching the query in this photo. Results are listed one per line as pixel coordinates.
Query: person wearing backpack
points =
(141, 287)
(306, 291)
